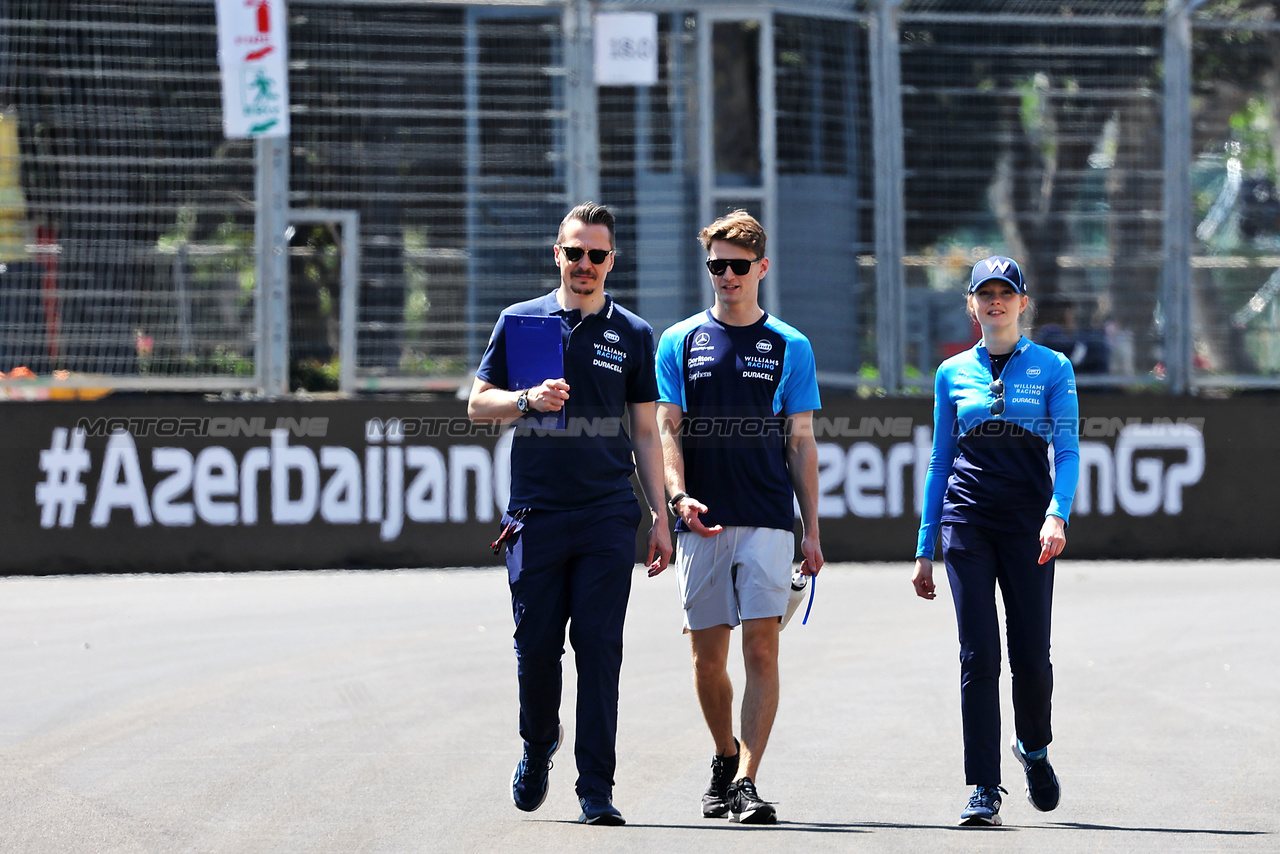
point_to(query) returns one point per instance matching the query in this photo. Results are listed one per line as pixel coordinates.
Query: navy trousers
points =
(977, 559)
(573, 567)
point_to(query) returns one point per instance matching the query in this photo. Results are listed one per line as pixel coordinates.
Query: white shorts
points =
(739, 574)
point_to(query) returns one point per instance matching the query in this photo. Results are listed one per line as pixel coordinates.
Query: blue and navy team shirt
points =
(736, 386)
(608, 363)
(993, 470)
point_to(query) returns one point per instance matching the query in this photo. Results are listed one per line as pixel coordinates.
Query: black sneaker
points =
(529, 782)
(745, 805)
(599, 809)
(984, 807)
(1043, 789)
(715, 803)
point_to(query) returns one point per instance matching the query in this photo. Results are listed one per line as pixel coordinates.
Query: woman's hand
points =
(1053, 538)
(922, 578)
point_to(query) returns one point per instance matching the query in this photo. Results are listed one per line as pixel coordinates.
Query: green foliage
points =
(228, 362)
(1251, 132)
(418, 364)
(314, 375)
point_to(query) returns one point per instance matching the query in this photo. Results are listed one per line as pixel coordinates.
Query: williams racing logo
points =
(607, 357)
(760, 368)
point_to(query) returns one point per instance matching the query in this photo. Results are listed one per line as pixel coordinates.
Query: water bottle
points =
(799, 586)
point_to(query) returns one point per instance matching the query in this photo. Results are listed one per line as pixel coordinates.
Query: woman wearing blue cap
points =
(1003, 517)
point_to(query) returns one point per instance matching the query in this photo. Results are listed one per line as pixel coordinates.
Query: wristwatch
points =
(522, 402)
(674, 500)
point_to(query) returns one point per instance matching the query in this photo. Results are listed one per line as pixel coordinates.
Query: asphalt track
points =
(376, 711)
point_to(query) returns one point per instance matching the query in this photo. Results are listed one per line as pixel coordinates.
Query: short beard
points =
(582, 290)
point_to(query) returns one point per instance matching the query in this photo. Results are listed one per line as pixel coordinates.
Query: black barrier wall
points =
(178, 486)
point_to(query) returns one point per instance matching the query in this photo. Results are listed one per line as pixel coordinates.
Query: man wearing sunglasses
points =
(998, 408)
(737, 391)
(570, 526)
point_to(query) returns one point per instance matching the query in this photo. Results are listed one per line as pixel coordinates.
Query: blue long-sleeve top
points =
(993, 470)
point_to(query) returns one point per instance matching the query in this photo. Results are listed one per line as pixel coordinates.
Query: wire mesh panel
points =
(1037, 134)
(1033, 128)
(825, 189)
(1235, 205)
(648, 179)
(127, 239)
(820, 128)
(442, 127)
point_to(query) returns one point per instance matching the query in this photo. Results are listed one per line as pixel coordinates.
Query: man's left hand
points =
(659, 545)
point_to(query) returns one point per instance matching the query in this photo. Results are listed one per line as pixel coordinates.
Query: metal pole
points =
(688, 291)
(272, 191)
(583, 176)
(887, 152)
(705, 82)
(348, 305)
(769, 156)
(1176, 273)
(471, 95)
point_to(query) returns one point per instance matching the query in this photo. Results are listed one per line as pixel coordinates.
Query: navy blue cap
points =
(997, 267)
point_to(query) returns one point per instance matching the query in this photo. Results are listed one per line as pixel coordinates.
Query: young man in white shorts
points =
(736, 393)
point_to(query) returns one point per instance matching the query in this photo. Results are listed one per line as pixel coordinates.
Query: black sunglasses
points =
(997, 405)
(574, 254)
(739, 266)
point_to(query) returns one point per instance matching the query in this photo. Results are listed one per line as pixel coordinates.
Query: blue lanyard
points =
(813, 585)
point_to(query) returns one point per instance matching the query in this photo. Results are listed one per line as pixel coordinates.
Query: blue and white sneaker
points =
(984, 807)
(529, 782)
(599, 809)
(1043, 788)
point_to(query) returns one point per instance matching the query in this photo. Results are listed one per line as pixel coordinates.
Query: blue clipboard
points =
(535, 352)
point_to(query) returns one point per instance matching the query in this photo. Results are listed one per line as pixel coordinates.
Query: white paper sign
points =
(626, 49)
(254, 58)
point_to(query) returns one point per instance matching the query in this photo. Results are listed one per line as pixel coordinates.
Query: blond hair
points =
(739, 228)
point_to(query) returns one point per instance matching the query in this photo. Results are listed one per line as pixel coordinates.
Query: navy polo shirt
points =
(736, 386)
(608, 363)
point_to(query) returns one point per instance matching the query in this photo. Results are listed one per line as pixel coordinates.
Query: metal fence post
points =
(772, 301)
(471, 199)
(887, 152)
(1176, 241)
(272, 192)
(582, 178)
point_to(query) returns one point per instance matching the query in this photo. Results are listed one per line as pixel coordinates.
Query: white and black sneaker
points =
(747, 807)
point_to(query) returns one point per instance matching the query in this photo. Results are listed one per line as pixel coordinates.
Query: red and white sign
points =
(253, 55)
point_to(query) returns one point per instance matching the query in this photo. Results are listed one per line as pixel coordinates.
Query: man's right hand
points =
(689, 509)
(549, 396)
